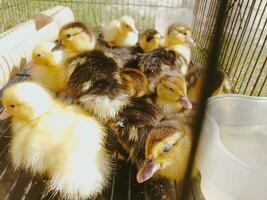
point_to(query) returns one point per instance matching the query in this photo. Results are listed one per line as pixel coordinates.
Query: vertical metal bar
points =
(253, 53)
(210, 79)
(236, 36)
(262, 86)
(255, 65)
(258, 78)
(251, 43)
(237, 49)
(227, 41)
(249, 49)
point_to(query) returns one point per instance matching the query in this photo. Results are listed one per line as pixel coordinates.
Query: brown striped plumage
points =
(132, 126)
(96, 84)
(135, 82)
(158, 62)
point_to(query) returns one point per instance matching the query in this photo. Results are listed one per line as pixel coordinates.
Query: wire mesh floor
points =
(123, 185)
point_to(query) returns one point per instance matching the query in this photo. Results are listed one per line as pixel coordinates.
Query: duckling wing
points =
(91, 67)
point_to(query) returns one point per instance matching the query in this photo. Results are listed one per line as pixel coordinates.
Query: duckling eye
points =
(166, 148)
(68, 36)
(12, 106)
(171, 89)
(39, 55)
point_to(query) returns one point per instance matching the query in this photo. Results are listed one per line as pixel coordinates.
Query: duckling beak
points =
(191, 42)
(147, 170)
(134, 30)
(184, 101)
(58, 46)
(4, 115)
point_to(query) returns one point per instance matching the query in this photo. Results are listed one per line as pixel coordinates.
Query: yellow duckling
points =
(47, 67)
(149, 40)
(179, 39)
(121, 32)
(51, 138)
(171, 94)
(76, 38)
(167, 151)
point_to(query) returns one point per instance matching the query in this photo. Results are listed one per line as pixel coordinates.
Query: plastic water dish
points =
(232, 156)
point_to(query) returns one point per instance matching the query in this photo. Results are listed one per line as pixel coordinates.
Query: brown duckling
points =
(150, 40)
(171, 93)
(96, 84)
(135, 82)
(133, 124)
(155, 63)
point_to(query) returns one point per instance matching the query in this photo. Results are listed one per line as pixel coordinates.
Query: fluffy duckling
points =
(171, 94)
(63, 142)
(133, 124)
(47, 67)
(156, 63)
(179, 39)
(167, 151)
(135, 82)
(149, 40)
(96, 84)
(195, 79)
(121, 32)
(76, 38)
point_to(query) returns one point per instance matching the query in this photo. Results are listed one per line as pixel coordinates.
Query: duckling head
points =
(25, 101)
(149, 40)
(134, 81)
(77, 37)
(178, 34)
(42, 55)
(172, 89)
(164, 146)
(128, 25)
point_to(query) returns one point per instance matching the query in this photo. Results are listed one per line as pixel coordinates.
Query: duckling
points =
(121, 32)
(47, 68)
(150, 40)
(135, 82)
(133, 124)
(156, 63)
(179, 39)
(76, 38)
(171, 93)
(60, 141)
(96, 84)
(167, 151)
(195, 79)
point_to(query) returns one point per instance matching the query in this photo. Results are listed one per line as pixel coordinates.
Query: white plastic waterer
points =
(232, 155)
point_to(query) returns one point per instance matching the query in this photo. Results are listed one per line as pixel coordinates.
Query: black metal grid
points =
(243, 52)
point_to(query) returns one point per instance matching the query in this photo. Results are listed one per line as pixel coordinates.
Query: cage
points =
(241, 54)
